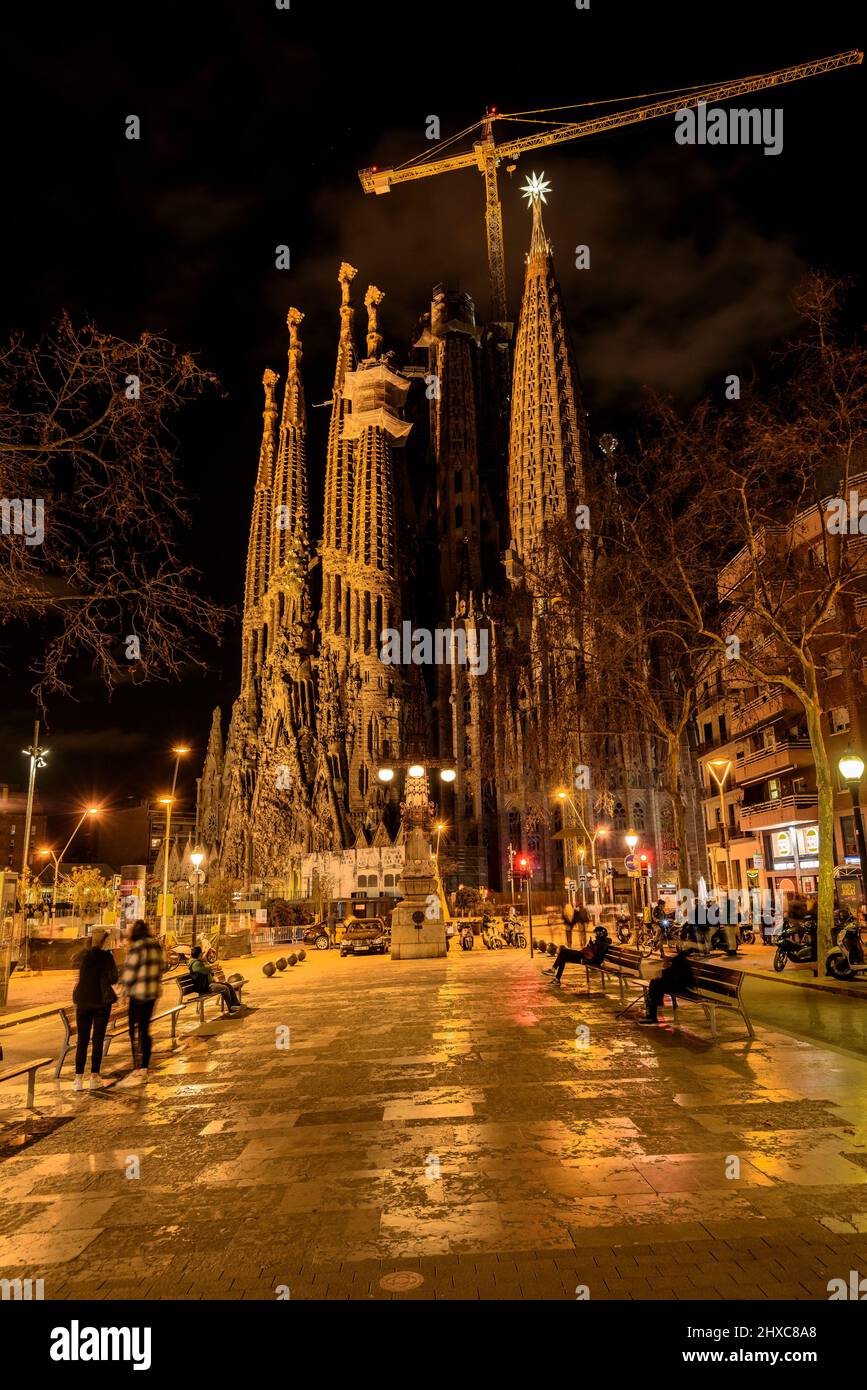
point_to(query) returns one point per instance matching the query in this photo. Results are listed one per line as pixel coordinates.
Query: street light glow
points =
(196, 858)
(448, 774)
(631, 840)
(385, 774)
(851, 766)
(416, 770)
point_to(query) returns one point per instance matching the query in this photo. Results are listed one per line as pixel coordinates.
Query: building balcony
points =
(767, 762)
(802, 808)
(769, 705)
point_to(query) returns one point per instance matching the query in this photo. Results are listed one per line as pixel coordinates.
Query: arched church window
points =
(638, 821)
(618, 817)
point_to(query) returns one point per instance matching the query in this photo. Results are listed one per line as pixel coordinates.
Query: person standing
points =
(141, 981)
(93, 997)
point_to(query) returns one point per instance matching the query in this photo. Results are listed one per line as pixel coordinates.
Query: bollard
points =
(281, 963)
(541, 946)
(302, 955)
(268, 969)
(552, 949)
(293, 959)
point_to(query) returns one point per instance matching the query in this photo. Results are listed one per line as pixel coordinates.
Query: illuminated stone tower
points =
(538, 725)
(259, 548)
(376, 393)
(547, 436)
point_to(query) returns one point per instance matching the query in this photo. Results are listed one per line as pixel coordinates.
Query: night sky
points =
(254, 123)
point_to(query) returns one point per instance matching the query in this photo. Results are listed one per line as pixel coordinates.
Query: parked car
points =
(317, 937)
(368, 937)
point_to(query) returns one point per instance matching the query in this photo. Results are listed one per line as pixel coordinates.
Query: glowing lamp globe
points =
(416, 770)
(385, 774)
(851, 767)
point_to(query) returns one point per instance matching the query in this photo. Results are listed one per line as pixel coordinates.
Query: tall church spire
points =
(290, 539)
(377, 393)
(337, 537)
(546, 439)
(259, 547)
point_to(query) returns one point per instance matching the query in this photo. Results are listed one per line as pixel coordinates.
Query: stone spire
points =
(290, 537)
(259, 547)
(547, 447)
(337, 537)
(372, 301)
(375, 424)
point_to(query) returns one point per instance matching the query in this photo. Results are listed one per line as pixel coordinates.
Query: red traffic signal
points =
(644, 865)
(523, 867)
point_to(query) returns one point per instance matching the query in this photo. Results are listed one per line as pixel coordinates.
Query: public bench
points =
(118, 1025)
(188, 994)
(623, 963)
(715, 986)
(30, 1069)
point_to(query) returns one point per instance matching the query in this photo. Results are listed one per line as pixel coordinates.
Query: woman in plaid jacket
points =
(141, 981)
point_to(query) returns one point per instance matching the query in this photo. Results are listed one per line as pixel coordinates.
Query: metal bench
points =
(188, 994)
(623, 963)
(118, 1025)
(716, 987)
(30, 1069)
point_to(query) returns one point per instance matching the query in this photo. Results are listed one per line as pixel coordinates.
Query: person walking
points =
(141, 980)
(93, 997)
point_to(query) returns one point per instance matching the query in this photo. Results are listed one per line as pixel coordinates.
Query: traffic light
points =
(523, 867)
(644, 865)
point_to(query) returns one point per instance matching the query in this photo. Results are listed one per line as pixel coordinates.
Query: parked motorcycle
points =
(624, 930)
(181, 954)
(466, 938)
(846, 960)
(795, 941)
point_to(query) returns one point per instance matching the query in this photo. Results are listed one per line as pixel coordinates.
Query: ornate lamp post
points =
(631, 842)
(196, 860)
(852, 770)
(721, 777)
(37, 760)
(168, 802)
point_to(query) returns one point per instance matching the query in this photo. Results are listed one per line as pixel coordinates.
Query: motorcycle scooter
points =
(846, 961)
(796, 941)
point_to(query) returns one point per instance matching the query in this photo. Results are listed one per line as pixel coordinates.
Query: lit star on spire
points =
(535, 188)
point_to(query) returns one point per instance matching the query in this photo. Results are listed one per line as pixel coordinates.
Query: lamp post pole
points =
(37, 760)
(852, 770)
(170, 801)
(631, 844)
(721, 779)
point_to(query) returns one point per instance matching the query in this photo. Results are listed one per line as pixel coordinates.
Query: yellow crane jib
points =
(486, 155)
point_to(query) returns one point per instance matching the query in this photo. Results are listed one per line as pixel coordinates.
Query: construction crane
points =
(486, 155)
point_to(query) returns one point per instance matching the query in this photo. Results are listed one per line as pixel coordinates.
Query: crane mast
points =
(486, 155)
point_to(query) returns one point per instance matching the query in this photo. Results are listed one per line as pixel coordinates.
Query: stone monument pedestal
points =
(415, 934)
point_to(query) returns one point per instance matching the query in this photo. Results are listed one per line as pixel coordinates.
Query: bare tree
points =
(91, 502)
(747, 494)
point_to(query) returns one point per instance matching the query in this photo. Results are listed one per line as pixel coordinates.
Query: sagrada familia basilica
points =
(444, 473)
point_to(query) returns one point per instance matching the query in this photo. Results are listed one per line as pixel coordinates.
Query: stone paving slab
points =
(437, 1117)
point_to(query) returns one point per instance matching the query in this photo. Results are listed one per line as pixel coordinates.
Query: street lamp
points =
(179, 751)
(631, 842)
(448, 774)
(386, 774)
(721, 778)
(852, 770)
(416, 770)
(57, 859)
(37, 760)
(196, 860)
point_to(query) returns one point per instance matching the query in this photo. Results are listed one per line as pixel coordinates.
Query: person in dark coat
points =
(93, 997)
(676, 977)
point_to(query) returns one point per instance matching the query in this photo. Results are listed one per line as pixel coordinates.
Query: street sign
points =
(630, 862)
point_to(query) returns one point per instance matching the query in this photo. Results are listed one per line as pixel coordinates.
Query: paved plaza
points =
(445, 1123)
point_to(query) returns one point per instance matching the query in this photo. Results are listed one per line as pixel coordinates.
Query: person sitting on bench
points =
(203, 980)
(675, 978)
(592, 954)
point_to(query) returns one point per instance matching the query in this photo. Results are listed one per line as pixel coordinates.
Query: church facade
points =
(420, 629)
